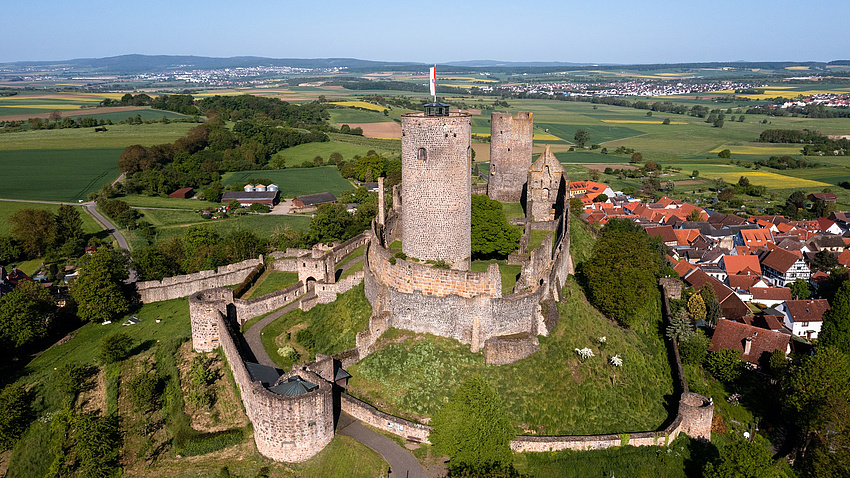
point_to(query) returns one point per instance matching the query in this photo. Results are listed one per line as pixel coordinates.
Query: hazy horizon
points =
(607, 31)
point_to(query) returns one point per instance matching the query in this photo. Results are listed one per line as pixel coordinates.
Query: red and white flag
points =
(433, 81)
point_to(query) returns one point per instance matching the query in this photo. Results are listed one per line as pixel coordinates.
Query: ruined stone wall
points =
(327, 293)
(186, 285)
(247, 309)
(408, 277)
(289, 264)
(510, 155)
(205, 308)
(383, 421)
(480, 188)
(437, 194)
(510, 349)
(291, 429)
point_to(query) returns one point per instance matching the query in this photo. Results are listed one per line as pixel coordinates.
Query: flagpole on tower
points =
(432, 81)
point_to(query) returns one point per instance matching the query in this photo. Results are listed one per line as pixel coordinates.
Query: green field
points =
(146, 114)
(297, 155)
(298, 181)
(598, 133)
(7, 208)
(351, 115)
(117, 136)
(56, 175)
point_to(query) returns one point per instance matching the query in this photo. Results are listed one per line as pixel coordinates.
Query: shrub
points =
(144, 391)
(725, 365)
(70, 379)
(692, 350)
(115, 348)
(288, 353)
(15, 413)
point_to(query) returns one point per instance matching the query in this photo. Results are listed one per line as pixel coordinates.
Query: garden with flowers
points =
(591, 375)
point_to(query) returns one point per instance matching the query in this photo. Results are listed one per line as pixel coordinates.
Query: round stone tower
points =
(510, 155)
(436, 191)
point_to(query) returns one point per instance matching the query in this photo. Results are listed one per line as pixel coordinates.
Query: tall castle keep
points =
(510, 155)
(436, 159)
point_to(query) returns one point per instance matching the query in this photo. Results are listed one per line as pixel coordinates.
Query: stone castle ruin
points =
(294, 413)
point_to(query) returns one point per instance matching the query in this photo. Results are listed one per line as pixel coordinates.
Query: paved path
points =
(253, 335)
(402, 463)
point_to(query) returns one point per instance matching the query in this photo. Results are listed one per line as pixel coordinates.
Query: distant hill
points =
(515, 64)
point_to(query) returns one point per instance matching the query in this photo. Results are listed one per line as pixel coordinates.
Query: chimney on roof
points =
(748, 345)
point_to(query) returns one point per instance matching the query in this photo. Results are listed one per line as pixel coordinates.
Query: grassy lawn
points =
(351, 115)
(118, 136)
(346, 145)
(326, 328)
(536, 238)
(354, 255)
(296, 182)
(270, 282)
(552, 392)
(513, 210)
(56, 175)
(510, 273)
(581, 240)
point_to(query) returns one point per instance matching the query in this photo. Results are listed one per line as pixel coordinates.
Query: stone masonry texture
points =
(510, 155)
(437, 187)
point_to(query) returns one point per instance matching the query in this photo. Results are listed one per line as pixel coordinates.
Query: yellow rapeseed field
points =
(787, 93)
(767, 150)
(770, 180)
(641, 121)
(358, 104)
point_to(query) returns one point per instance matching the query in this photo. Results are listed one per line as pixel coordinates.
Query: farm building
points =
(183, 193)
(310, 202)
(246, 198)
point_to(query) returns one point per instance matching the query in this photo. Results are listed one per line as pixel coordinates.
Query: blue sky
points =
(600, 31)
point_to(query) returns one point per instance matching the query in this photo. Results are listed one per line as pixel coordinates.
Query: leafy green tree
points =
(743, 459)
(115, 348)
(694, 348)
(836, 321)
(725, 154)
(800, 289)
(694, 215)
(150, 263)
(823, 261)
(243, 244)
(16, 413)
(713, 312)
(34, 229)
(329, 224)
(636, 158)
(492, 235)
(725, 365)
(581, 137)
(473, 429)
(99, 289)
(69, 230)
(24, 314)
(696, 306)
(726, 194)
(10, 251)
(622, 271)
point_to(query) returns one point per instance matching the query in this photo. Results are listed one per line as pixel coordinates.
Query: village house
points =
(310, 202)
(804, 318)
(754, 344)
(782, 267)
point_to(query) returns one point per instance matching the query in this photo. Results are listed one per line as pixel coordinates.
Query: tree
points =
(492, 235)
(622, 271)
(800, 289)
(712, 306)
(636, 158)
(726, 194)
(581, 137)
(742, 459)
(725, 365)
(10, 251)
(150, 263)
(718, 123)
(725, 154)
(473, 429)
(694, 348)
(666, 121)
(115, 348)
(696, 306)
(823, 261)
(69, 230)
(650, 166)
(99, 289)
(329, 224)
(695, 173)
(15, 413)
(836, 321)
(694, 215)
(34, 229)
(23, 315)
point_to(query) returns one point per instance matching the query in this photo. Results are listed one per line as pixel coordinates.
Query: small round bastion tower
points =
(436, 190)
(511, 139)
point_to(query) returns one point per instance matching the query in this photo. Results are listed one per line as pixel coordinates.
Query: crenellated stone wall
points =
(186, 285)
(327, 293)
(247, 309)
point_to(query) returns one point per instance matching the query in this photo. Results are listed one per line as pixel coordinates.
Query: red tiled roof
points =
(734, 335)
(807, 310)
(666, 233)
(738, 264)
(756, 237)
(780, 260)
(771, 293)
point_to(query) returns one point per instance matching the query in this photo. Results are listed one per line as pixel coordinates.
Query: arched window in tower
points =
(422, 154)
